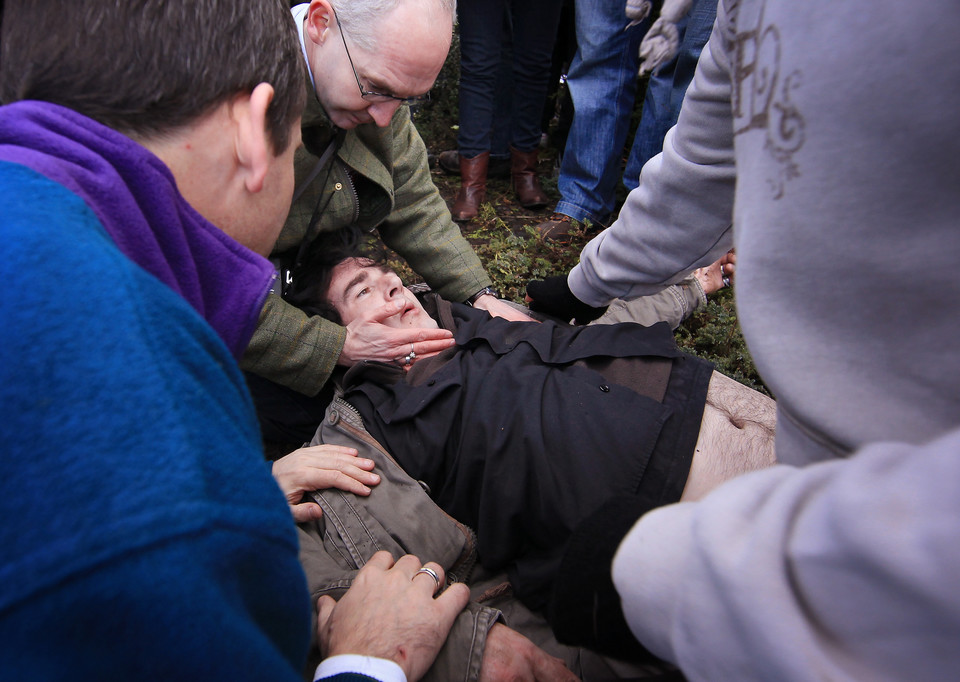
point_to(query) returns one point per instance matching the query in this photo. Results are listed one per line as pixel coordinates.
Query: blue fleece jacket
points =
(141, 534)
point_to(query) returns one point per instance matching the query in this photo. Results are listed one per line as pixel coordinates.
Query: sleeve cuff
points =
(577, 283)
(379, 669)
(701, 295)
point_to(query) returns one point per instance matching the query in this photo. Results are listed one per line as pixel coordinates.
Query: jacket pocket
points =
(398, 516)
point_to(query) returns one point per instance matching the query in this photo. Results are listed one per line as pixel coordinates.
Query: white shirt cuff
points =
(377, 668)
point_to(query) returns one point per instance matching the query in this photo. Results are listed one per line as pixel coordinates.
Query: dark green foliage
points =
(436, 119)
(515, 256)
(713, 333)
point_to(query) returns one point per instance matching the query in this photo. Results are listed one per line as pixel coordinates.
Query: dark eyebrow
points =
(357, 279)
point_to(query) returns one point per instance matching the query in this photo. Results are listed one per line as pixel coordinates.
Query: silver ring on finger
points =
(432, 573)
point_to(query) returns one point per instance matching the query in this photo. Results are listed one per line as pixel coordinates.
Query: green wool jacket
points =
(379, 179)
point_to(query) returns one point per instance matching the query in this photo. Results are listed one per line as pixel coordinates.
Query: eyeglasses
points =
(371, 95)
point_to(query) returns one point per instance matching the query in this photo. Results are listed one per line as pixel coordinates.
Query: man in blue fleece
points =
(145, 162)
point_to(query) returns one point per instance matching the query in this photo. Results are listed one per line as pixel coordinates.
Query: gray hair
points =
(361, 17)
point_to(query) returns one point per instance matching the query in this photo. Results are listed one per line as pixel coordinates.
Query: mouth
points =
(346, 120)
(356, 119)
(410, 311)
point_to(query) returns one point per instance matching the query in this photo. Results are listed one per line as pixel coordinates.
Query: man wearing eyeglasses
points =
(363, 166)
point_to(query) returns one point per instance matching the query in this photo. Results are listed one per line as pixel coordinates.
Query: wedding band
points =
(432, 574)
(726, 281)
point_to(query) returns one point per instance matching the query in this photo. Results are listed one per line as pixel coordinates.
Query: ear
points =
(319, 20)
(253, 147)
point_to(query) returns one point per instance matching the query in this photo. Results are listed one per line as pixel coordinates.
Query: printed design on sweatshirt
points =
(761, 97)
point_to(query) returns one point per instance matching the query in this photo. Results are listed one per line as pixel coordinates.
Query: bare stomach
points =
(736, 436)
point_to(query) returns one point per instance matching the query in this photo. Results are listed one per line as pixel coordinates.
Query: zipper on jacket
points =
(355, 425)
(353, 191)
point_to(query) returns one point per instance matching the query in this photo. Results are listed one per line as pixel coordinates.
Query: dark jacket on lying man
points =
(523, 429)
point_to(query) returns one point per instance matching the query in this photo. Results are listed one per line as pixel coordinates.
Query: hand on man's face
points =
(364, 291)
(370, 339)
(384, 319)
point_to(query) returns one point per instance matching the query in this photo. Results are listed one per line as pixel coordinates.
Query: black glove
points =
(552, 296)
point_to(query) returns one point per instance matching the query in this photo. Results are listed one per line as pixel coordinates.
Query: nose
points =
(382, 112)
(392, 288)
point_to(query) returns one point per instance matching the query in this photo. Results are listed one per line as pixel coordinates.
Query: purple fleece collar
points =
(136, 199)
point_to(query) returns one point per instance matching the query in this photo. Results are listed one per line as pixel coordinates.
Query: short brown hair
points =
(310, 288)
(145, 67)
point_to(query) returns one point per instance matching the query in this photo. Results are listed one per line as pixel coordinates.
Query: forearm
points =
(784, 571)
(438, 252)
(292, 348)
(420, 227)
(672, 305)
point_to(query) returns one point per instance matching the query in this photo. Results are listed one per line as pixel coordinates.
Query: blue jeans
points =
(603, 85)
(666, 88)
(506, 48)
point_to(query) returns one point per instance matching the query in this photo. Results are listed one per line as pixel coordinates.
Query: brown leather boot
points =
(526, 182)
(473, 187)
(449, 162)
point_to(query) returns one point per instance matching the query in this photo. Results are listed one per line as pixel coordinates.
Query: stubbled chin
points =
(396, 321)
(415, 319)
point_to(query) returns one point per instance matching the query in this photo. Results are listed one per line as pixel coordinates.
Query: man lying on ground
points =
(522, 429)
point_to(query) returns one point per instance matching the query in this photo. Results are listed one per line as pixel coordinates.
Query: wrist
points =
(484, 301)
(486, 291)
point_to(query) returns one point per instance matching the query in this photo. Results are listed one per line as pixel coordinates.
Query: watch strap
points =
(486, 290)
